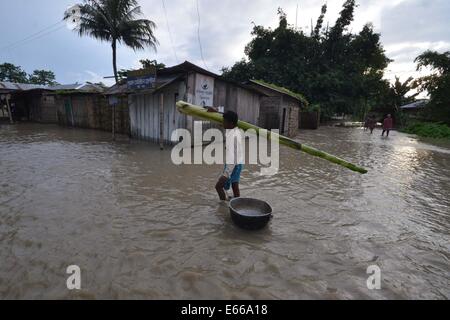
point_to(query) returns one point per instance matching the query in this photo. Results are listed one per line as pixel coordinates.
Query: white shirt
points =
(234, 145)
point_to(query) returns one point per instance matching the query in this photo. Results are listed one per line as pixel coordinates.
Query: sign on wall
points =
(204, 90)
(141, 79)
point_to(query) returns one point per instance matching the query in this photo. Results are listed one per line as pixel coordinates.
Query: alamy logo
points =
(73, 17)
(374, 280)
(74, 280)
(213, 152)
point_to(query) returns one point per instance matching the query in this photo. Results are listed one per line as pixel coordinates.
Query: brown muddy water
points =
(142, 228)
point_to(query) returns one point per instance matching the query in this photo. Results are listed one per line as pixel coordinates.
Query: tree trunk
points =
(113, 112)
(113, 124)
(114, 49)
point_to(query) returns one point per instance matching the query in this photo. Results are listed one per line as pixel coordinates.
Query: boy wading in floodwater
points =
(234, 156)
(387, 125)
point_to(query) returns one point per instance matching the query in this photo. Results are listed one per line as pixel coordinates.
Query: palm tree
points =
(116, 21)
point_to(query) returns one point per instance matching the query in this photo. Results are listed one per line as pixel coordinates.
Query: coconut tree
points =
(116, 22)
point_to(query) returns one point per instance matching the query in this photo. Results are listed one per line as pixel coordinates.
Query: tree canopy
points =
(116, 22)
(43, 77)
(341, 71)
(437, 84)
(147, 63)
(12, 73)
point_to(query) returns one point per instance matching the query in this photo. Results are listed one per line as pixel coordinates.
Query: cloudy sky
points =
(33, 36)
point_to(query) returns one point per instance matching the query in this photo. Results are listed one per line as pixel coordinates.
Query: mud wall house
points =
(153, 113)
(41, 106)
(6, 88)
(117, 100)
(87, 106)
(280, 108)
(30, 102)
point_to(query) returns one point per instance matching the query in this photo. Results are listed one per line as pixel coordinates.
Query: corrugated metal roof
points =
(165, 81)
(415, 105)
(65, 86)
(121, 88)
(20, 86)
(161, 82)
(84, 87)
(186, 67)
(92, 87)
(281, 90)
(81, 87)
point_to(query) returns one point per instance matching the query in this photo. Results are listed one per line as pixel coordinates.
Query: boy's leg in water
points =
(220, 188)
(382, 134)
(387, 133)
(236, 191)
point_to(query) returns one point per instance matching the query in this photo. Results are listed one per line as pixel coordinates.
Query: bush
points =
(428, 129)
(312, 108)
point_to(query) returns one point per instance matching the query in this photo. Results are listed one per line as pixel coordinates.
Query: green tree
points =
(147, 63)
(437, 84)
(116, 22)
(337, 41)
(361, 66)
(43, 77)
(316, 33)
(341, 71)
(400, 91)
(12, 73)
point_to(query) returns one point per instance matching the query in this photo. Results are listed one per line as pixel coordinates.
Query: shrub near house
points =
(429, 130)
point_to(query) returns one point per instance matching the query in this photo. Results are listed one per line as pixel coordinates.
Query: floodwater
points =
(141, 228)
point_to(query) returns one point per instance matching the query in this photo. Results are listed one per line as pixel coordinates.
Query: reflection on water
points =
(140, 227)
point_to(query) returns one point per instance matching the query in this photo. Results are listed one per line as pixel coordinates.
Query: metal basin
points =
(250, 214)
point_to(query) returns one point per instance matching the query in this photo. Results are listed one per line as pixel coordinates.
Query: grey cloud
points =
(417, 20)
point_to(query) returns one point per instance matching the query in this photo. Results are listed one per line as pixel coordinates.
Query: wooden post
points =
(9, 109)
(113, 116)
(161, 121)
(112, 101)
(71, 111)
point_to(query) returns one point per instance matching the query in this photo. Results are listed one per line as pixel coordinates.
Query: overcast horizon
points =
(407, 27)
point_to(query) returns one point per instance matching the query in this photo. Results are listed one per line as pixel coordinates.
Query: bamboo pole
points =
(199, 112)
